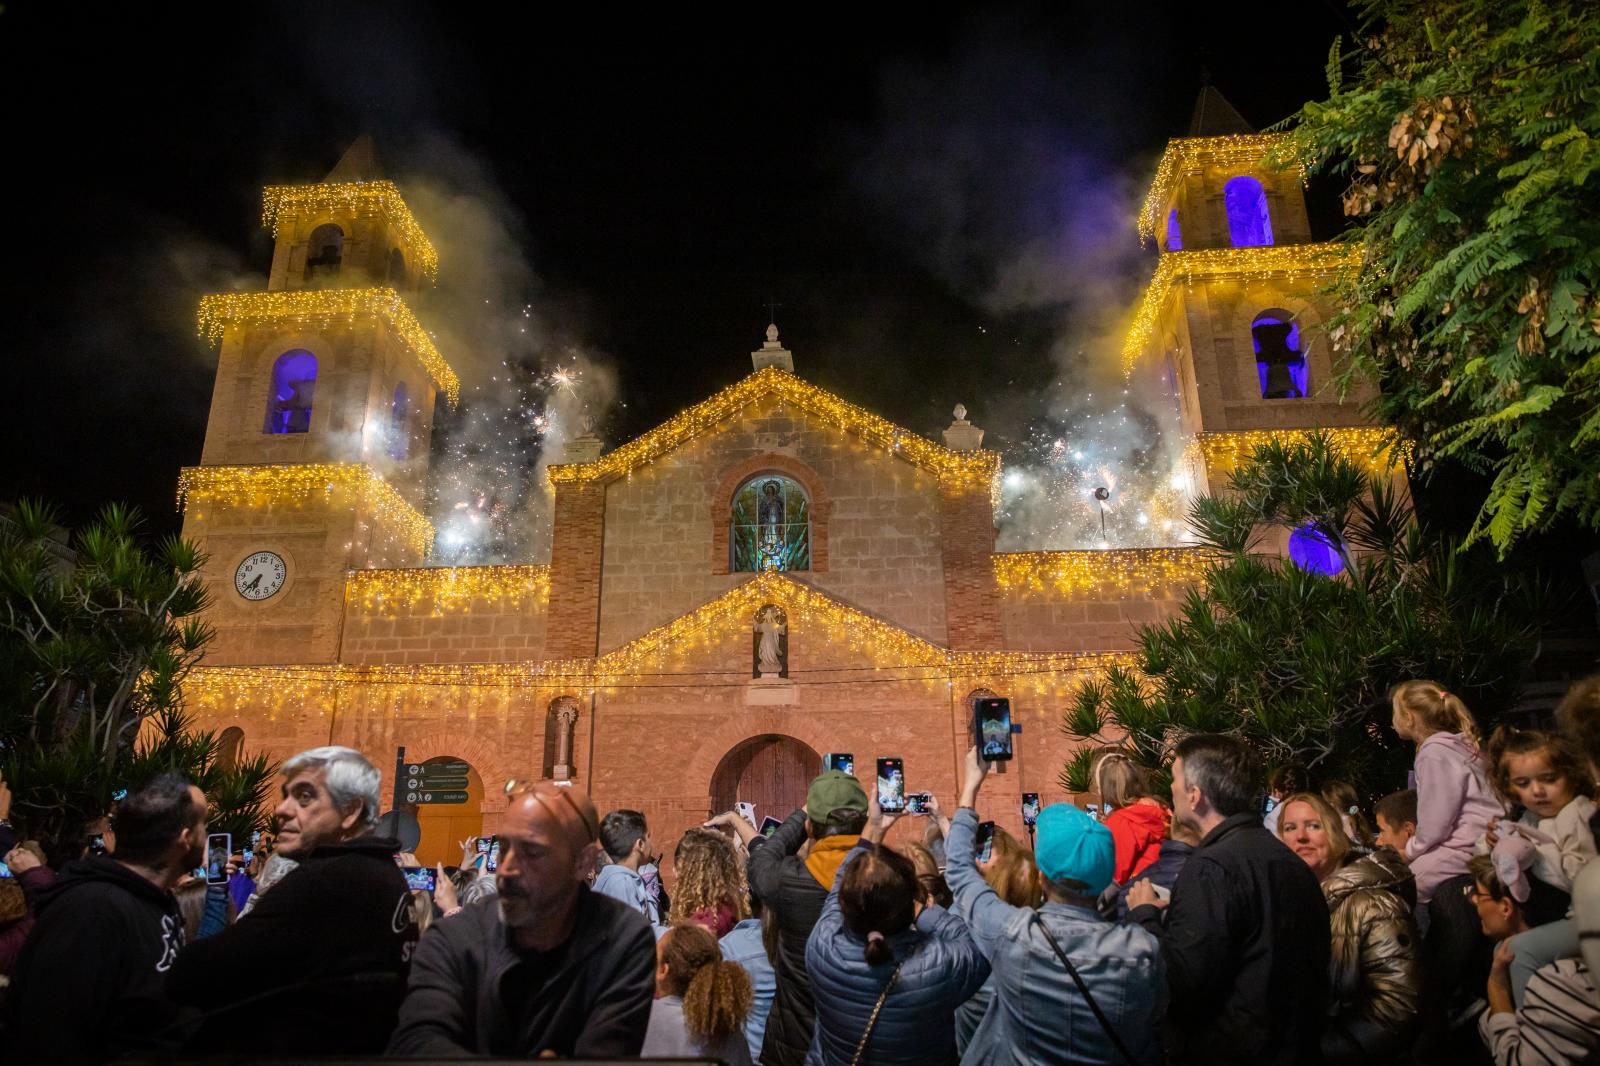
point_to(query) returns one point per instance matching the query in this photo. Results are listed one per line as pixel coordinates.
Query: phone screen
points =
(1093, 809)
(218, 847)
(5, 871)
(1030, 808)
(985, 841)
(97, 845)
(494, 855)
(841, 760)
(247, 854)
(1266, 808)
(919, 802)
(420, 878)
(891, 784)
(484, 844)
(770, 825)
(993, 728)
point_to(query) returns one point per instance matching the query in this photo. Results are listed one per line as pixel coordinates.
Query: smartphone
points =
(1266, 807)
(255, 839)
(218, 847)
(891, 784)
(840, 761)
(985, 841)
(247, 855)
(97, 845)
(1030, 808)
(919, 802)
(494, 855)
(484, 844)
(118, 795)
(747, 811)
(5, 871)
(992, 727)
(420, 878)
(769, 825)
(1093, 810)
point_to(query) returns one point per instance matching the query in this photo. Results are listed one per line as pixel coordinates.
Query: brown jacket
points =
(1376, 966)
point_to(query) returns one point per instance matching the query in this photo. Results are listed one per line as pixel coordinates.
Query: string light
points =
(320, 308)
(283, 203)
(1097, 574)
(960, 468)
(436, 591)
(1288, 261)
(295, 485)
(1370, 446)
(1192, 155)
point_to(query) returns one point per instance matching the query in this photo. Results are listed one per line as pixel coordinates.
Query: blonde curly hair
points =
(709, 873)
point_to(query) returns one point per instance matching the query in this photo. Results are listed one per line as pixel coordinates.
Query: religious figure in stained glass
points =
(771, 526)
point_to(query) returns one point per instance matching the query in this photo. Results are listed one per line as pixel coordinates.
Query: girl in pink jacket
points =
(1455, 803)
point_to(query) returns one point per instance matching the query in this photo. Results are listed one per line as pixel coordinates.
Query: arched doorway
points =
(445, 825)
(772, 771)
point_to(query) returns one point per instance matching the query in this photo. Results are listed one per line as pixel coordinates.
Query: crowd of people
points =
(1235, 917)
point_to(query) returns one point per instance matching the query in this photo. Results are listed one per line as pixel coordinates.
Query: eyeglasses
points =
(557, 801)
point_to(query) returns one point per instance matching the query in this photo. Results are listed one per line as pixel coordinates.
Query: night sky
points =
(938, 196)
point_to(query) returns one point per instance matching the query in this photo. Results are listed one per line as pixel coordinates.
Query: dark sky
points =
(871, 170)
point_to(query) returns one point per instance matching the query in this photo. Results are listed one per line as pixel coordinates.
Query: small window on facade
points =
(325, 251)
(294, 380)
(1174, 235)
(1309, 550)
(1280, 364)
(771, 526)
(400, 423)
(397, 268)
(1246, 202)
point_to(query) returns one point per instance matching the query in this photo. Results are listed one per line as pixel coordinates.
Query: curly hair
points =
(716, 993)
(1562, 753)
(1579, 715)
(709, 874)
(1013, 873)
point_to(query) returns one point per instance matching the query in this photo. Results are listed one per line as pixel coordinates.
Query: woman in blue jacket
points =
(888, 969)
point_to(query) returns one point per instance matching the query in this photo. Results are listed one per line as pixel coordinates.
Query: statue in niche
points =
(770, 643)
(1273, 352)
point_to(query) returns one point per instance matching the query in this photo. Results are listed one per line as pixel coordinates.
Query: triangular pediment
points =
(725, 406)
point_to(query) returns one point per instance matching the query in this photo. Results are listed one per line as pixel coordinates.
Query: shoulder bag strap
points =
(1077, 979)
(861, 1047)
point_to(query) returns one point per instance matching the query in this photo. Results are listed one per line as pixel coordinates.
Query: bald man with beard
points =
(548, 967)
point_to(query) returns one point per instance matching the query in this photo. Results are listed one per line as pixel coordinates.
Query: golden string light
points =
(1093, 574)
(321, 308)
(281, 203)
(1288, 261)
(1192, 155)
(297, 484)
(1370, 446)
(435, 591)
(965, 468)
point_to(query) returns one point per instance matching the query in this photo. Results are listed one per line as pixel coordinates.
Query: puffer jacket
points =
(1376, 964)
(940, 967)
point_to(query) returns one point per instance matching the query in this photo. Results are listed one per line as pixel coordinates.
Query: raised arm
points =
(765, 868)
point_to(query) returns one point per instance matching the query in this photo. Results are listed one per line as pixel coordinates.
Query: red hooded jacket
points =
(1138, 830)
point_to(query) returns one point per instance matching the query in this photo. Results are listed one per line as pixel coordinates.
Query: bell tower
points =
(1233, 317)
(316, 448)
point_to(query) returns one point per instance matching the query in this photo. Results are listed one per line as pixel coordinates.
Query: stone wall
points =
(455, 615)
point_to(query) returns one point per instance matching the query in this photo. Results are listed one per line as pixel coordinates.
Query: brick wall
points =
(576, 541)
(972, 601)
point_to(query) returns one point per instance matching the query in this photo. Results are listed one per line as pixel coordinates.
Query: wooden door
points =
(445, 826)
(771, 771)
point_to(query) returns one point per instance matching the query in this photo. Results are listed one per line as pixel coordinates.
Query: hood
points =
(1456, 741)
(1148, 820)
(374, 847)
(826, 857)
(1383, 869)
(100, 870)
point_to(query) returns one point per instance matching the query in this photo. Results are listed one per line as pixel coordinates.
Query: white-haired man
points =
(318, 966)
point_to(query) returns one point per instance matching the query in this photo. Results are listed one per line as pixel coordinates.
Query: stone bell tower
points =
(316, 448)
(1233, 318)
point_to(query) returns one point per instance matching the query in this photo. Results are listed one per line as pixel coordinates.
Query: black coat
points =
(322, 955)
(1246, 943)
(595, 1004)
(780, 879)
(88, 984)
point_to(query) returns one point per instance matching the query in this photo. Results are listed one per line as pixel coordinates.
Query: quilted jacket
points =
(1376, 965)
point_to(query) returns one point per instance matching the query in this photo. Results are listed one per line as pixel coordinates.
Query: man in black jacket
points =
(1246, 937)
(318, 965)
(550, 967)
(88, 984)
(796, 889)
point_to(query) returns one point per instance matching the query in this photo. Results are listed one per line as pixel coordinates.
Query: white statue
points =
(769, 652)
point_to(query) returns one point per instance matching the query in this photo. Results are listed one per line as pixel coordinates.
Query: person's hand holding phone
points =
(734, 821)
(973, 773)
(21, 860)
(444, 890)
(878, 820)
(1142, 893)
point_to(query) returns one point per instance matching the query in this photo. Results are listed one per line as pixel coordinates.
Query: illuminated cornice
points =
(435, 591)
(1192, 155)
(1370, 446)
(978, 467)
(297, 484)
(320, 308)
(1288, 261)
(280, 202)
(1105, 574)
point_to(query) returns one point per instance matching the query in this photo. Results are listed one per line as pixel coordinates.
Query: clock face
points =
(260, 575)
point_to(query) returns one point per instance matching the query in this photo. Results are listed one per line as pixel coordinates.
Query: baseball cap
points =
(831, 790)
(1071, 845)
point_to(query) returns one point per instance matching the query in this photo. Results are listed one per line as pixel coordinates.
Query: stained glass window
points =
(771, 526)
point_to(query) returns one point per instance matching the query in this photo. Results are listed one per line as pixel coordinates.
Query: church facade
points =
(772, 575)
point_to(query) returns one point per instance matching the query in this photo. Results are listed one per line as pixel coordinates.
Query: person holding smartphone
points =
(1069, 986)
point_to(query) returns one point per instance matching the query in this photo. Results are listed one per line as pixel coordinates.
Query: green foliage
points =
(1469, 132)
(95, 642)
(1300, 663)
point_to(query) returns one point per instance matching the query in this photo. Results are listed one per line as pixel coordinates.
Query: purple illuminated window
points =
(1309, 551)
(1174, 235)
(1280, 364)
(400, 423)
(1246, 201)
(294, 380)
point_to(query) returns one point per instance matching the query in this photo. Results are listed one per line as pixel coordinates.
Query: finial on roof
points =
(960, 412)
(772, 333)
(961, 435)
(771, 353)
(359, 162)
